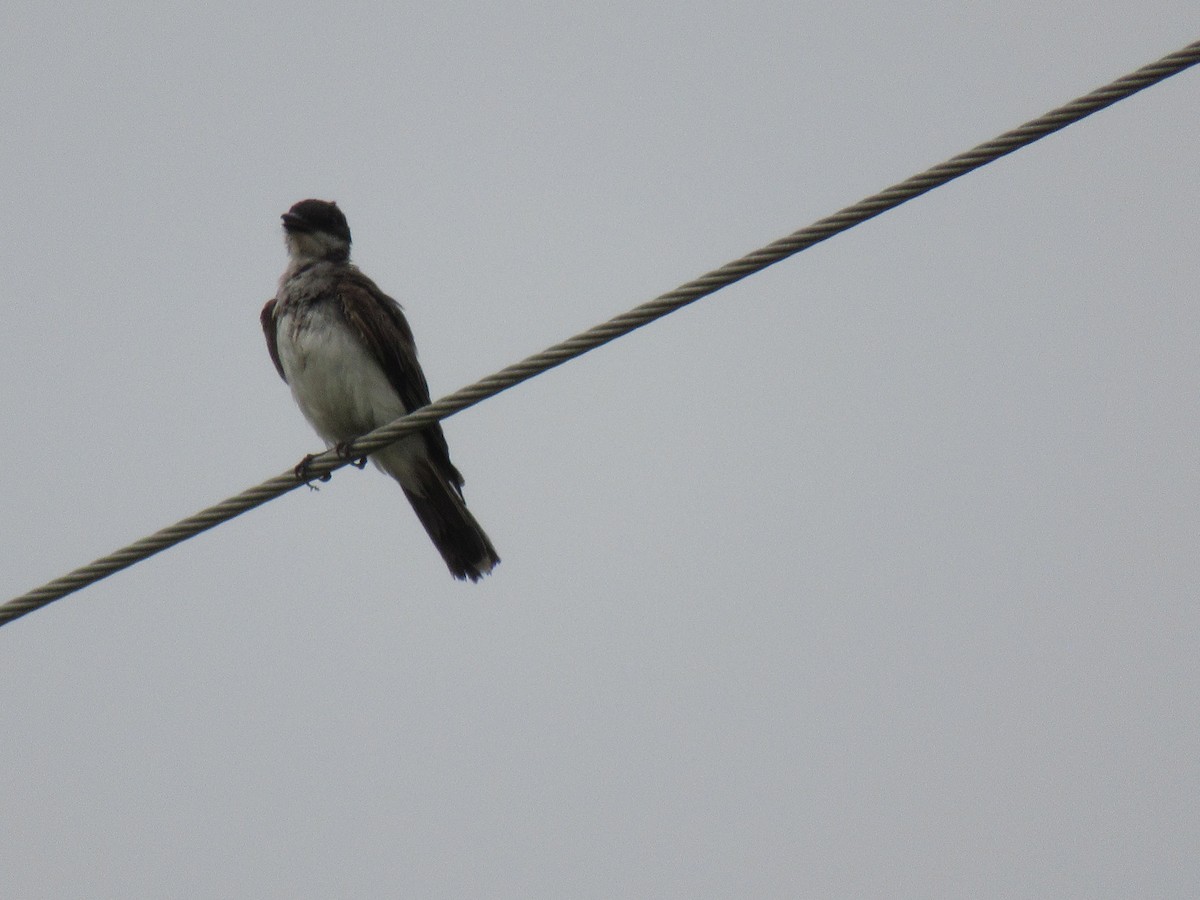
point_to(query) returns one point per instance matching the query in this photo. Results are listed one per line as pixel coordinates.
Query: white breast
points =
(338, 385)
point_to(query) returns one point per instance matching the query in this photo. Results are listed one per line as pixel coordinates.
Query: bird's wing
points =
(269, 328)
(380, 324)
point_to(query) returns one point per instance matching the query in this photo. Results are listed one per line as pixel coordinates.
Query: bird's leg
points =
(343, 450)
(302, 473)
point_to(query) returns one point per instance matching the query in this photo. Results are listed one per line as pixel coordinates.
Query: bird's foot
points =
(303, 474)
(343, 450)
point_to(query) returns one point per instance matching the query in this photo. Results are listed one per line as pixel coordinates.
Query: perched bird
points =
(345, 349)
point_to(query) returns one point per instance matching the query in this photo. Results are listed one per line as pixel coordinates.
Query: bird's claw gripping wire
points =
(302, 472)
(343, 451)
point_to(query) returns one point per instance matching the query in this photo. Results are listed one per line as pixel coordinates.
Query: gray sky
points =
(874, 575)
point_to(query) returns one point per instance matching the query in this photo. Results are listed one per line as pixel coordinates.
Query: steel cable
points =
(614, 328)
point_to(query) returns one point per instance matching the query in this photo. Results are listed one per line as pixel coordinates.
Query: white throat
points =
(313, 246)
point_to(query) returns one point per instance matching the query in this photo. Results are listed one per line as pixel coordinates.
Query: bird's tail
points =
(463, 545)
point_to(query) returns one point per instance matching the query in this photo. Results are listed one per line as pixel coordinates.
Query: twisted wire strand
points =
(614, 328)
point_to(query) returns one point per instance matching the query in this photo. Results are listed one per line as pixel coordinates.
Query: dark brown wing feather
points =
(269, 330)
(379, 322)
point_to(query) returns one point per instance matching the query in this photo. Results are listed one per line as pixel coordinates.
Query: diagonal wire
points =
(616, 327)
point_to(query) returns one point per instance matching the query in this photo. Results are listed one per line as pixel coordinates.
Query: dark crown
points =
(317, 215)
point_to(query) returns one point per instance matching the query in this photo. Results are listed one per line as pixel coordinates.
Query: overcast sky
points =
(873, 575)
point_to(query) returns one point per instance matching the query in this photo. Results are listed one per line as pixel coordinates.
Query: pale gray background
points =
(875, 575)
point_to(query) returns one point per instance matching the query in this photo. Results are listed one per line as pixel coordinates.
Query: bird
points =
(347, 352)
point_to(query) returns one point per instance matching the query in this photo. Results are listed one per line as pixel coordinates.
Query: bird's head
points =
(316, 230)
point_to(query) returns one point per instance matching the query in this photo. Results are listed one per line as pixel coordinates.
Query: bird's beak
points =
(293, 222)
